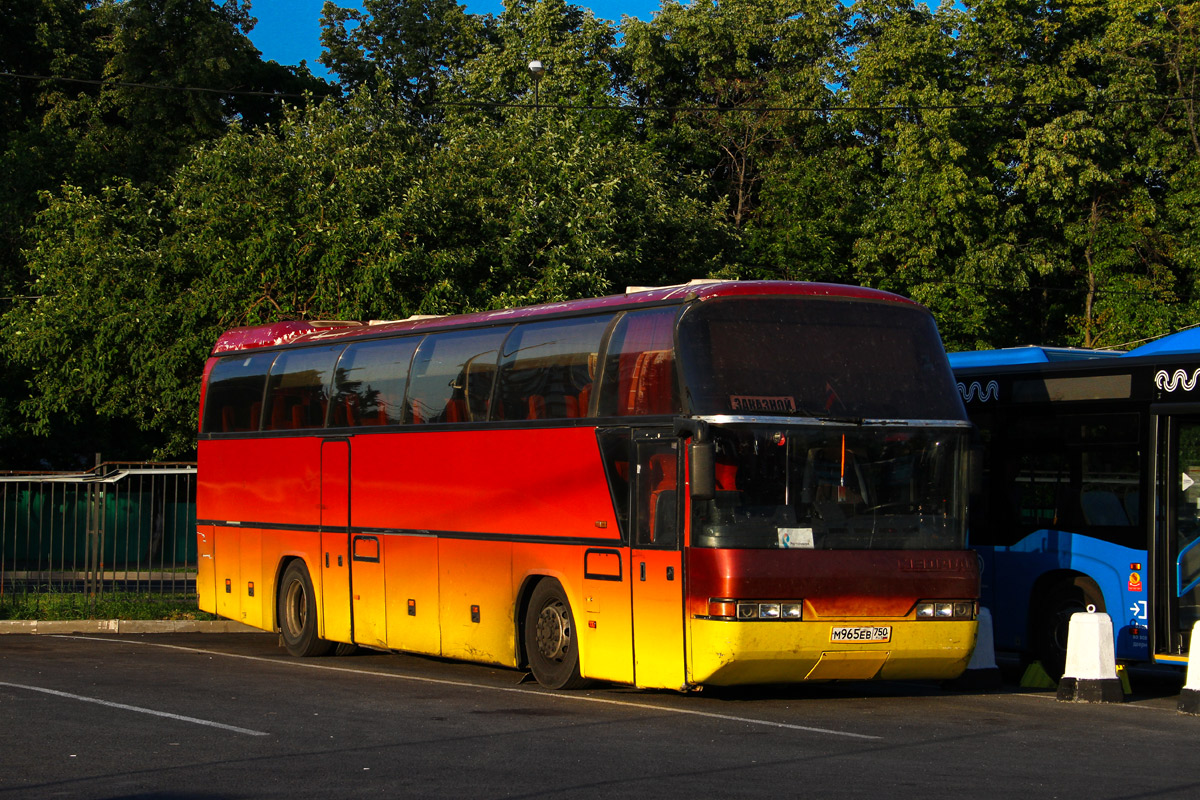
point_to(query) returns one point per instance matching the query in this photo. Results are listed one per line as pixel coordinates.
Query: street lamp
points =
(537, 70)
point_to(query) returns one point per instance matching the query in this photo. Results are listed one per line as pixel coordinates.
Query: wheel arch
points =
(521, 607)
(1046, 588)
(280, 568)
(1048, 582)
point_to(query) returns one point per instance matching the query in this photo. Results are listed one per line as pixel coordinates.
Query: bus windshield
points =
(886, 487)
(815, 357)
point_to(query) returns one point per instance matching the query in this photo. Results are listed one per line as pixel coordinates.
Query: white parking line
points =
(138, 709)
(511, 689)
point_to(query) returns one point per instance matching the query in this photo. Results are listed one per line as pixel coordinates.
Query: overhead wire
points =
(637, 108)
(543, 106)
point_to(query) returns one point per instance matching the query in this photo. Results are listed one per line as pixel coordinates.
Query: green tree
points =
(76, 117)
(1087, 176)
(345, 212)
(413, 46)
(576, 51)
(738, 83)
(129, 125)
(935, 221)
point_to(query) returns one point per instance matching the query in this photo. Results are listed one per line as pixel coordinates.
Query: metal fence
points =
(128, 527)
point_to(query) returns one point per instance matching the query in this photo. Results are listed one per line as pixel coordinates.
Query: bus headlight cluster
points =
(946, 609)
(756, 609)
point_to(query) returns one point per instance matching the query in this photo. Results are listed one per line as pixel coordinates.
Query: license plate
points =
(861, 633)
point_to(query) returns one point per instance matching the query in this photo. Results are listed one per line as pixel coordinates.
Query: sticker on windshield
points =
(795, 537)
(741, 402)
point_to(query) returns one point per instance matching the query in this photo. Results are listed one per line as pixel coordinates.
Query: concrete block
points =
(1091, 671)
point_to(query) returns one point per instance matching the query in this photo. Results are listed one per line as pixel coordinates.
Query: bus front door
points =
(334, 591)
(656, 563)
(1180, 597)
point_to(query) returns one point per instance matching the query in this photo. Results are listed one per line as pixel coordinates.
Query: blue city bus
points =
(1088, 493)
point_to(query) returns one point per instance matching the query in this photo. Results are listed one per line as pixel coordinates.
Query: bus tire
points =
(1052, 619)
(551, 643)
(298, 613)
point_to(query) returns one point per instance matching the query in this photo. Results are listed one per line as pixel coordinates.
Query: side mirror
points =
(702, 457)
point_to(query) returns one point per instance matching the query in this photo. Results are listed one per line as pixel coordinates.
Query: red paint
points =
(833, 583)
(546, 482)
(287, 332)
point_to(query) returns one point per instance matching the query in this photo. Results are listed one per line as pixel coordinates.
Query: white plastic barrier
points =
(1091, 671)
(1189, 698)
(981, 672)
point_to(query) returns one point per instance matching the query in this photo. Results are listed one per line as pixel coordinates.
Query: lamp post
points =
(537, 70)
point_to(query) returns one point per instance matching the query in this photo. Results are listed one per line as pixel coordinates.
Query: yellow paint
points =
(228, 568)
(206, 575)
(658, 635)
(331, 582)
(1123, 674)
(604, 651)
(1036, 677)
(412, 574)
(250, 571)
(729, 652)
(848, 666)
(369, 604)
(473, 573)
(1171, 659)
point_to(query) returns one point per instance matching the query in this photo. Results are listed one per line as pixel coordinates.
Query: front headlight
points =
(946, 609)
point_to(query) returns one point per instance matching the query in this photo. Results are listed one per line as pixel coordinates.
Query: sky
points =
(289, 31)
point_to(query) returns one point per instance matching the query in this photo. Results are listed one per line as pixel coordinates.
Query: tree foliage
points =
(343, 212)
(1029, 169)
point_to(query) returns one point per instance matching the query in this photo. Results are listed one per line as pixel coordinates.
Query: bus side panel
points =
(603, 615)
(596, 582)
(260, 480)
(411, 588)
(547, 482)
(278, 546)
(333, 586)
(227, 563)
(250, 575)
(1018, 567)
(476, 609)
(206, 575)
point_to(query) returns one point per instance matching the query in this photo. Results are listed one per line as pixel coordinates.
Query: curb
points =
(124, 626)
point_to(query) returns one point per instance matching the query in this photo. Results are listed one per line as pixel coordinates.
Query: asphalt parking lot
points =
(232, 716)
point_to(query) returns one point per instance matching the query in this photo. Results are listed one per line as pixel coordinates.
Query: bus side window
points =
(657, 512)
(233, 400)
(616, 452)
(452, 375)
(369, 382)
(1076, 472)
(298, 388)
(639, 369)
(547, 369)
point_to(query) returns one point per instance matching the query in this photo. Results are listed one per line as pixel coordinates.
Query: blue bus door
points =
(1180, 525)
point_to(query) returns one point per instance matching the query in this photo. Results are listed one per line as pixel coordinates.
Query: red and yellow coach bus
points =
(718, 483)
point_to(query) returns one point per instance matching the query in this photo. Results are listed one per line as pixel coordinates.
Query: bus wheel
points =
(550, 640)
(1053, 621)
(298, 613)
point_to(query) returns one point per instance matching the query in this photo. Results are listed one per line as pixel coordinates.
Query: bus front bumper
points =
(728, 652)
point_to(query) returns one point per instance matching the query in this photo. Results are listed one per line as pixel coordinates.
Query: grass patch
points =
(109, 605)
